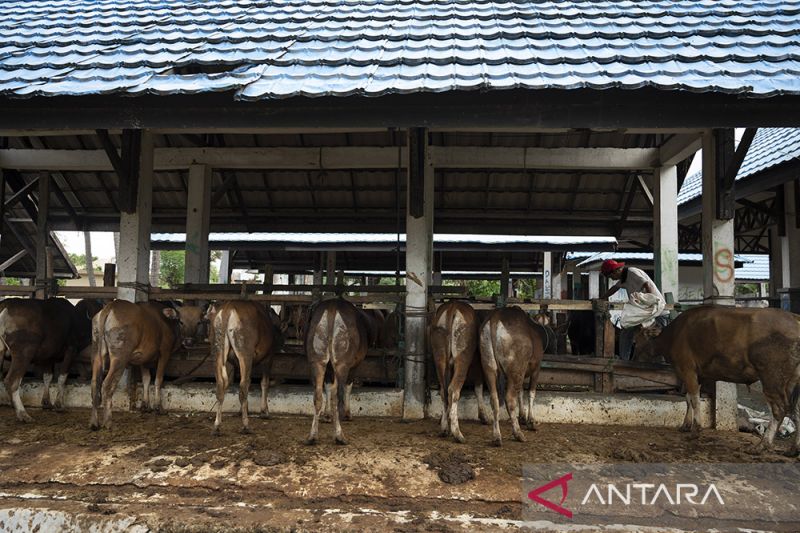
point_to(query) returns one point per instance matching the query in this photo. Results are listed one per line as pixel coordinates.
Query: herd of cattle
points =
(502, 349)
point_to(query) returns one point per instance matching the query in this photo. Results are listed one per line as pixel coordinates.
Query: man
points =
(633, 280)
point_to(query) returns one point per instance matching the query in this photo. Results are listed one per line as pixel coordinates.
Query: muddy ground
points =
(168, 473)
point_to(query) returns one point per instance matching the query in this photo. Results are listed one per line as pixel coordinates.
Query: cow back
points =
(337, 331)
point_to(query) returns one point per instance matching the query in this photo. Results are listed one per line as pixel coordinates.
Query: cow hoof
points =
(497, 442)
(444, 434)
(94, 426)
(341, 441)
(459, 439)
(246, 430)
(347, 417)
(265, 416)
(145, 409)
(530, 426)
(520, 437)
(46, 404)
(484, 420)
(326, 419)
(59, 408)
(311, 441)
(24, 417)
(216, 432)
(685, 428)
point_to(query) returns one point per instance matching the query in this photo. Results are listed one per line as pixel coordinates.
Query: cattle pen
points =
(386, 152)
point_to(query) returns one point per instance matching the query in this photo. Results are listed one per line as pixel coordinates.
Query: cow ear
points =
(170, 313)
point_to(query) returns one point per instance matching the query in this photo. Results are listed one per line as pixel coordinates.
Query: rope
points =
(188, 376)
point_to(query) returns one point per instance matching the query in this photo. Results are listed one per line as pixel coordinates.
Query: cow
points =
(738, 345)
(454, 343)
(41, 333)
(141, 334)
(251, 333)
(581, 332)
(293, 318)
(337, 338)
(375, 325)
(512, 347)
(390, 332)
(543, 320)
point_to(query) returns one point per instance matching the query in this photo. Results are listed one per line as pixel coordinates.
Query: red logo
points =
(534, 495)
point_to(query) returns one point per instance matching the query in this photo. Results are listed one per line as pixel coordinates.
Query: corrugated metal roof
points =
(388, 238)
(756, 268)
(640, 257)
(270, 49)
(770, 147)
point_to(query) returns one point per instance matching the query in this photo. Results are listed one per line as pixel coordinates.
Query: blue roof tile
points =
(375, 47)
(770, 147)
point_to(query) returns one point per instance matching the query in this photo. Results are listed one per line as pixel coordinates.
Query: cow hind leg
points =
(146, 406)
(491, 381)
(348, 393)
(513, 408)
(264, 411)
(160, 369)
(318, 377)
(454, 394)
(482, 416)
(115, 370)
(794, 413)
(223, 379)
(13, 380)
(63, 371)
(690, 421)
(529, 421)
(97, 376)
(47, 378)
(245, 367)
(337, 402)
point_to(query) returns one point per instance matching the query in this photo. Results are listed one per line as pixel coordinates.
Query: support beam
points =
(718, 241)
(718, 246)
(729, 162)
(419, 259)
(8, 263)
(198, 218)
(332, 158)
(547, 275)
(678, 148)
(134, 229)
(791, 249)
(665, 230)
(594, 284)
(42, 236)
(109, 275)
(225, 267)
(505, 282)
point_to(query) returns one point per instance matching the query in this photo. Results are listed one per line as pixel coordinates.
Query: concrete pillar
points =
(791, 196)
(42, 233)
(718, 242)
(225, 267)
(557, 279)
(665, 229)
(718, 266)
(547, 276)
(594, 284)
(419, 259)
(775, 263)
(134, 241)
(198, 219)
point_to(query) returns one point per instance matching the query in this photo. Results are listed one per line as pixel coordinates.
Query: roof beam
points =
(678, 148)
(13, 259)
(342, 157)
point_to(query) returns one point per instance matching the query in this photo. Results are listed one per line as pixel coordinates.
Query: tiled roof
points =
(770, 147)
(641, 257)
(277, 49)
(757, 269)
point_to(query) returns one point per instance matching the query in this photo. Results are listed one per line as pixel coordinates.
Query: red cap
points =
(609, 266)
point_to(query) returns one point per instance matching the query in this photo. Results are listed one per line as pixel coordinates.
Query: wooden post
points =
(718, 249)
(135, 223)
(505, 283)
(198, 219)
(109, 275)
(419, 260)
(268, 280)
(87, 238)
(330, 268)
(604, 345)
(42, 233)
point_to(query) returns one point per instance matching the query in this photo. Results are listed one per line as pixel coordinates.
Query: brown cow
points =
(511, 345)
(251, 333)
(375, 323)
(293, 320)
(337, 336)
(124, 333)
(390, 332)
(454, 343)
(738, 345)
(38, 332)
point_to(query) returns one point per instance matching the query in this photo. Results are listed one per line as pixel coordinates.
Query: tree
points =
(173, 263)
(79, 260)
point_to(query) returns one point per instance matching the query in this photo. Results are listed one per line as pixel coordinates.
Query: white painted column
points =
(198, 219)
(718, 242)
(665, 229)
(718, 273)
(594, 284)
(556, 276)
(133, 265)
(42, 237)
(225, 267)
(547, 276)
(419, 259)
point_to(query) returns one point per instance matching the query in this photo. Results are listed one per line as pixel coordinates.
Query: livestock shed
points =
(485, 117)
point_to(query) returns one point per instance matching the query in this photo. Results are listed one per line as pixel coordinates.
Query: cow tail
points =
(501, 374)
